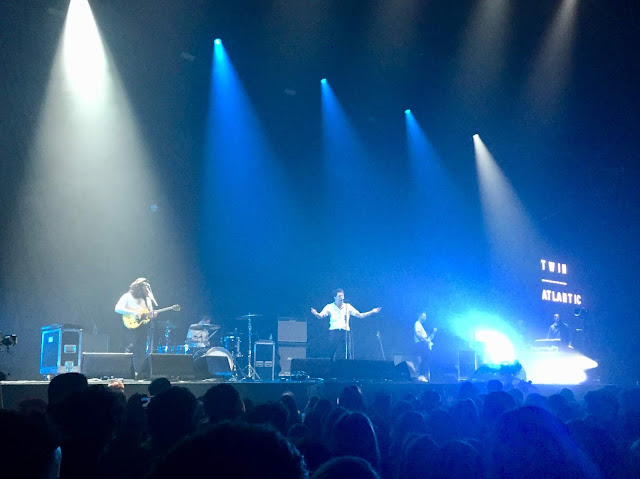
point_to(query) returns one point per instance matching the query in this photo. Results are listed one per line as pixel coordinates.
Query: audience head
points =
(171, 417)
(537, 400)
(458, 459)
(468, 390)
(353, 435)
(559, 407)
(603, 406)
(28, 446)
(465, 419)
(238, 450)
(64, 385)
(382, 404)
(292, 409)
(598, 444)
(273, 414)
(440, 425)
(158, 385)
(222, 403)
(530, 443)
(351, 399)
(411, 422)
(517, 395)
(418, 458)
(494, 385)
(430, 400)
(346, 467)
(495, 404)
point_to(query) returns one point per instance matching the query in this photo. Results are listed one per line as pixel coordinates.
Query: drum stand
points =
(251, 373)
(167, 331)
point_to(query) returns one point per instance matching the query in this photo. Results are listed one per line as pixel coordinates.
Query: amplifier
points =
(264, 359)
(60, 349)
(288, 352)
(290, 330)
(467, 364)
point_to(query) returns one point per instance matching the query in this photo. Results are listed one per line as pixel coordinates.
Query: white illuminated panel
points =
(554, 272)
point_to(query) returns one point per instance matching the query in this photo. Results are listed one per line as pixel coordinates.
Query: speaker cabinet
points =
(60, 349)
(288, 353)
(264, 359)
(108, 365)
(170, 366)
(467, 364)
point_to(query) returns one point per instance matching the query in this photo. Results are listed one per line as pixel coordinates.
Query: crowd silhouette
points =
(485, 431)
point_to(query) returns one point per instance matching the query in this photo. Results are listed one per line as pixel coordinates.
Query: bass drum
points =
(219, 362)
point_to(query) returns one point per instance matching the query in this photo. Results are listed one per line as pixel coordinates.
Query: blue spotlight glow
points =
(323, 81)
(407, 112)
(217, 41)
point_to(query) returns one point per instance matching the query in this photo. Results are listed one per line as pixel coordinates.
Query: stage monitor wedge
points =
(170, 366)
(108, 365)
(364, 370)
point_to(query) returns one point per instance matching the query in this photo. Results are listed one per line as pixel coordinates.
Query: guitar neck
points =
(162, 310)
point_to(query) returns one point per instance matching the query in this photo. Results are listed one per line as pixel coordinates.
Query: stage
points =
(12, 392)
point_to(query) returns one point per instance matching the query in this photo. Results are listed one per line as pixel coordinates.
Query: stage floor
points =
(12, 392)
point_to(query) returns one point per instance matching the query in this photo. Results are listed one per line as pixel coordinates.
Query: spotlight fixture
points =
(8, 340)
(217, 41)
(323, 81)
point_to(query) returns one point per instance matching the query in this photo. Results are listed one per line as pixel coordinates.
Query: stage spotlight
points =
(217, 41)
(323, 81)
(498, 348)
(8, 340)
(476, 137)
(407, 112)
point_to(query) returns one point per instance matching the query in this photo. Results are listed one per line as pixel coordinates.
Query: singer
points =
(339, 314)
(138, 301)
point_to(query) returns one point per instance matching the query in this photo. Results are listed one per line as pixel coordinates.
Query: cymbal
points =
(248, 316)
(200, 327)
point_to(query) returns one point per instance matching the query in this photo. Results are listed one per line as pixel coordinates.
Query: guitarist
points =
(424, 345)
(140, 302)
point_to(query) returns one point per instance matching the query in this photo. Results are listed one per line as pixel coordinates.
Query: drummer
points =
(200, 333)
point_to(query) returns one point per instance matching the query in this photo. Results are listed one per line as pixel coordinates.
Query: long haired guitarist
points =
(137, 307)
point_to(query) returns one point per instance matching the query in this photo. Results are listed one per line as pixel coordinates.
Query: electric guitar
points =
(429, 339)
(133, 321)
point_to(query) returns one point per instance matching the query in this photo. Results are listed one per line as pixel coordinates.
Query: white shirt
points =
(197, 338)
(419, 333)
(128, 304)
(339, 317)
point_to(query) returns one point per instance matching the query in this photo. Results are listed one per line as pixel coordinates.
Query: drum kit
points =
(234, 347)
